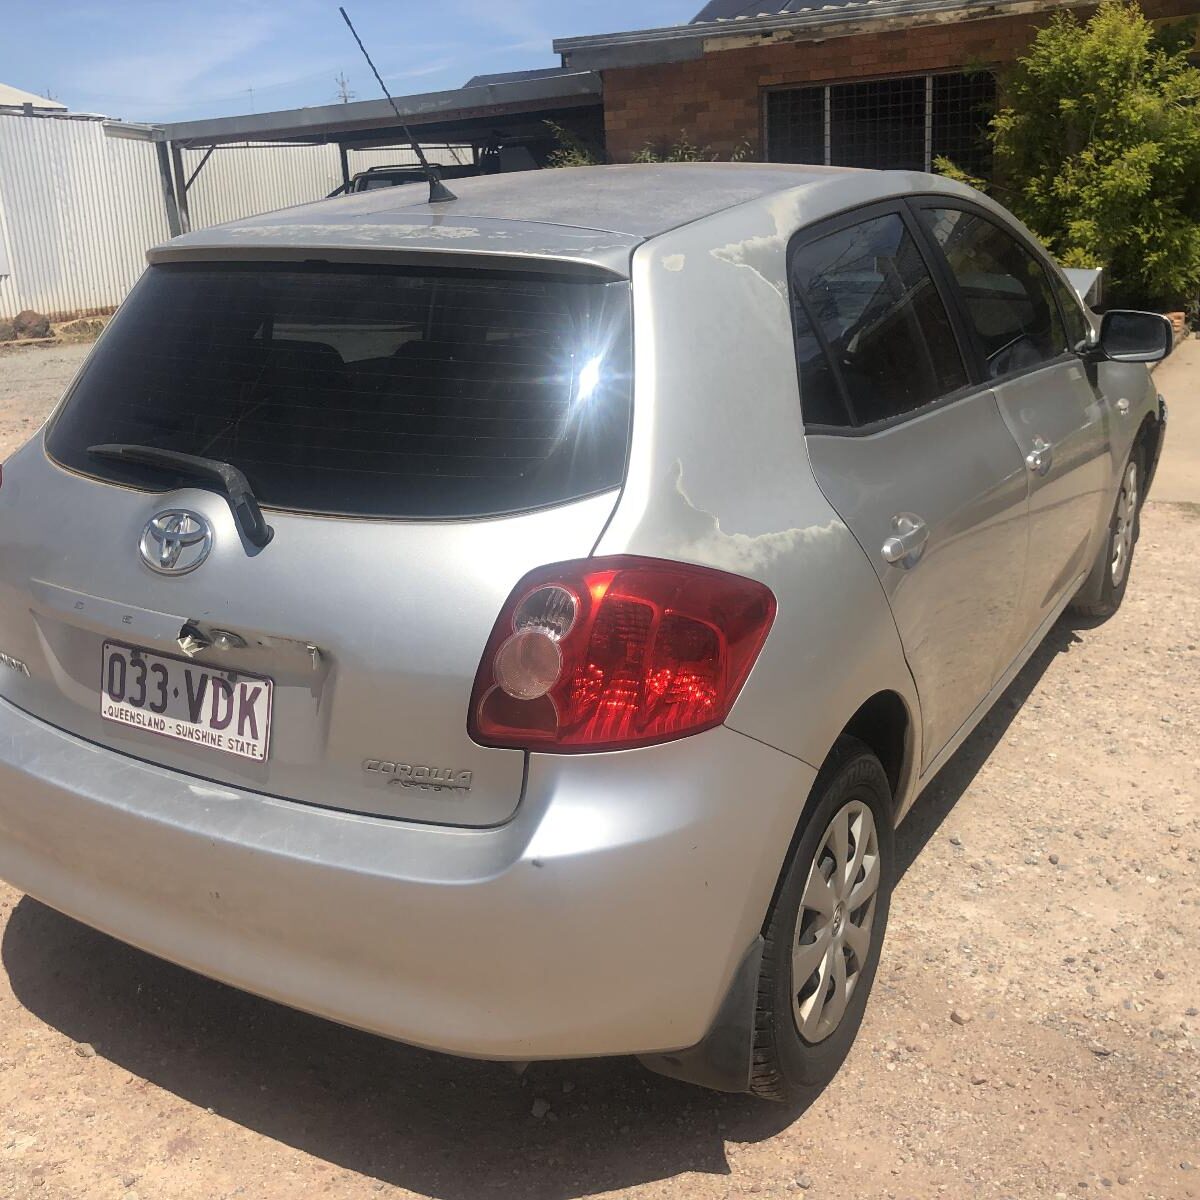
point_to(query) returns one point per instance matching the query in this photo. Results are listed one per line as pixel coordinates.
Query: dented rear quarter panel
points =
(719, 471)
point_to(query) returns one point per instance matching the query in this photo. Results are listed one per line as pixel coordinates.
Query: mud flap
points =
(722, 1060)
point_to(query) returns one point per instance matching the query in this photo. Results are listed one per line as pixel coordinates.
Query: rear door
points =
(1058, 419)
(912, 452)
(419, 439)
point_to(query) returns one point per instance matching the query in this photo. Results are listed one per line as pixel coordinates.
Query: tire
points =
(1104, 590)
(798, 1043)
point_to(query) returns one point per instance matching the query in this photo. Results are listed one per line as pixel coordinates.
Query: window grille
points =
(901, 123)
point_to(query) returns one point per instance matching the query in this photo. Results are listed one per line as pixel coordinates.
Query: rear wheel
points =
(826, 928)
(1101, 596)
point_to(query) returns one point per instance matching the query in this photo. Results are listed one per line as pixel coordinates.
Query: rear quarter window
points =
(365, 392)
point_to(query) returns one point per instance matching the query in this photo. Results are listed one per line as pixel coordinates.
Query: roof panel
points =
(640, 200)
(587, 214)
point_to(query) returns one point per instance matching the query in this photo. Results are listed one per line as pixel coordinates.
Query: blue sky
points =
(161, 60)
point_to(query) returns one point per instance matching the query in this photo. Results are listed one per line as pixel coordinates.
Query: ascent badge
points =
(425, 779)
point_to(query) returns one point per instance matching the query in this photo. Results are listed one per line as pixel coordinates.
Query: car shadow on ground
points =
(439, 1126)
(946, 788)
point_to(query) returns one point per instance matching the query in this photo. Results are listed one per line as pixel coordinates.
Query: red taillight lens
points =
(608, 653)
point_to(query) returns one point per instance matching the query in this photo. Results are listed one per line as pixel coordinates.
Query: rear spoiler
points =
(1087, 282)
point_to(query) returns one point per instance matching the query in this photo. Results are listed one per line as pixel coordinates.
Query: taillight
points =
(608, 653)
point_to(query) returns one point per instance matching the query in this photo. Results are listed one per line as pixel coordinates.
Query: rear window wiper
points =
(232, 484)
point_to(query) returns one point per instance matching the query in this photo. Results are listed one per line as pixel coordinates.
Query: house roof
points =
(765, 20)
(727, 10)
(514, 76)
(14, 97)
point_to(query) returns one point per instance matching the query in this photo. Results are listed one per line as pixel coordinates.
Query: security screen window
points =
(904, 122)
(879, 124)
(796, 125)
(362, 391)
(867, 289)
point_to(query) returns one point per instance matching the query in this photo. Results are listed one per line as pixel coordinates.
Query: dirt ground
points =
(31, 381)
(1034, 1032)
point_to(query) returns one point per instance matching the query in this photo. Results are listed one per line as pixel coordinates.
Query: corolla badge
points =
(425, 779)
(175, 541)
(15, 664)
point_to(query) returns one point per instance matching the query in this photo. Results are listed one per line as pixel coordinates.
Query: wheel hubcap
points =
(1122, 539)
(836, 921)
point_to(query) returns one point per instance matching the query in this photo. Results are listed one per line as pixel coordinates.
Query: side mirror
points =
(1135, 337)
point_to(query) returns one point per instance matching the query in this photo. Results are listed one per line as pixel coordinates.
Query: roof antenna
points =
(438, 191)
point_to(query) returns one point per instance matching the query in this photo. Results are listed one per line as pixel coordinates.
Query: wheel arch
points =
(1149, 438)
(884, 723)
(724, 1058)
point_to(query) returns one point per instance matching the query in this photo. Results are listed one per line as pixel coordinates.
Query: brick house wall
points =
(717, 100)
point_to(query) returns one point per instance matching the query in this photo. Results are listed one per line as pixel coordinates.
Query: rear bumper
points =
(608, 917)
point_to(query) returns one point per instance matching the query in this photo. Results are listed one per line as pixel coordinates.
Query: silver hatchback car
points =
(516, 625)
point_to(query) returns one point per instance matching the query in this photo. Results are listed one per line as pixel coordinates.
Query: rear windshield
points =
(364, 392)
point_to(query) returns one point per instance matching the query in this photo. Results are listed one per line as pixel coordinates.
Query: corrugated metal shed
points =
(452, 115)
(15, 97)
(243, 179)
(78, 210)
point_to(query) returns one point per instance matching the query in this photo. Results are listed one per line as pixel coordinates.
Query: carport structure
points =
(491, 115)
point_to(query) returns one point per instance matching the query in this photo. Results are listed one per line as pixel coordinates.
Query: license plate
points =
(224, 711)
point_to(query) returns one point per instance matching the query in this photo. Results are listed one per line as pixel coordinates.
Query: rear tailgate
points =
(371, 633)
(335, 665)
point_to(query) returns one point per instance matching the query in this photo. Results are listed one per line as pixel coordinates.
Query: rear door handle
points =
(907, 542)
(1038, 460)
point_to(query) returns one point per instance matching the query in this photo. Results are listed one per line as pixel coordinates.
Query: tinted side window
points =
(1005, 290)
(869, 292)
(820, 398)
(1079, 328)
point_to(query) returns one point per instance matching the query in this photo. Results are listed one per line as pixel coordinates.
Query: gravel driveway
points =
(1034, 1032)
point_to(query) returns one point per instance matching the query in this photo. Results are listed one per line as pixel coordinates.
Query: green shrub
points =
(1098, 151)
(572, 150)
(683, 149)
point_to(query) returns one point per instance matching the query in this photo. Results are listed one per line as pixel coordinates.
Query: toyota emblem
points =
(176, 541)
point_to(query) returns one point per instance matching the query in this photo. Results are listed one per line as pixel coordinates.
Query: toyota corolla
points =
(516, 624)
